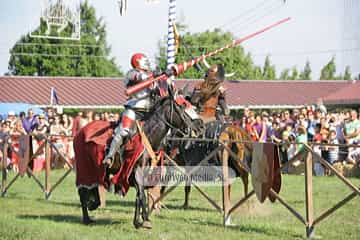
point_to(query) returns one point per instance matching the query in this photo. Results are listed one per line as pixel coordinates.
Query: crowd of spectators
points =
(60, 127)
(290, 128)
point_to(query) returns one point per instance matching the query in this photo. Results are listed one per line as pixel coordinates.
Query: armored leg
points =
(116, 143)
(120, 133)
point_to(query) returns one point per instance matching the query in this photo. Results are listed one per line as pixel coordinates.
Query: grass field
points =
(26, 215)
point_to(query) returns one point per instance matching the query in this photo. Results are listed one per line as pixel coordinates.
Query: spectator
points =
(50, 113)
(89, 116)
(311, 126)
(352, 128)
(259, 129)
(30, 122)
(22, 116)
(291, 151)
(42, 128)
(67, 124)
(243, 122)
(11, 118)
(285, 144)
(117, 117)
(97, 117)
(318, 167)
(333, 150)
(247, 112)
(56, 127)
(111, 117)
(249, 126)
(324, 133)
(301, 138)
(15, 134)
(4, 133)
(274, 133)
(352, 135)
(86, 118)
(287, 119)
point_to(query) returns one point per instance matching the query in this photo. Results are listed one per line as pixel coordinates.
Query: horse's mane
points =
(159, 102)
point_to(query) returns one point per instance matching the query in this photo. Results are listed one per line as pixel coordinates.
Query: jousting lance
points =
(182, 67)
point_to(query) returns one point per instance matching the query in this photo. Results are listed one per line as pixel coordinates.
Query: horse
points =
(232, 138)
(90, 146)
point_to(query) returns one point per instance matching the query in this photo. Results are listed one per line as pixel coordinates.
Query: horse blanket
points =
(90, 144)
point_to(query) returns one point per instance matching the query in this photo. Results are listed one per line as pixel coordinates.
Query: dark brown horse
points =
(233, 139)
(90, 145)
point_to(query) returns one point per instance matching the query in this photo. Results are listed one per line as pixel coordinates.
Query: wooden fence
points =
(307, 155)
(48, 146)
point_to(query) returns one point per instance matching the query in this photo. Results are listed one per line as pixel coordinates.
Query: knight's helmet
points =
(140, 61)
(216, 72)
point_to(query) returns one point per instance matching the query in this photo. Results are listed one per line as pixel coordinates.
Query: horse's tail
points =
(239, 140)
(236, 144)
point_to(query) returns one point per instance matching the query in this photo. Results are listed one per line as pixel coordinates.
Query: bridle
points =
(186, 120)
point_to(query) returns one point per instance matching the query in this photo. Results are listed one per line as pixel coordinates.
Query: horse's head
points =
(175, 112)
(187, 115)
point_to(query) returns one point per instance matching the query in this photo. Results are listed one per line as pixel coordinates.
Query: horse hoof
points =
(88, 221)
(146, 224)
(137, 225)
(156, 211)
(185, 206)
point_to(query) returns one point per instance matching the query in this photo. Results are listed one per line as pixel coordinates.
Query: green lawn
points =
(26, 215)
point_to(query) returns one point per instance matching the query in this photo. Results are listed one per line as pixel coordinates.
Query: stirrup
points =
(109, 161)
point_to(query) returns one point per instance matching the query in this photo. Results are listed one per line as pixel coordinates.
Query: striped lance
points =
(182, 67)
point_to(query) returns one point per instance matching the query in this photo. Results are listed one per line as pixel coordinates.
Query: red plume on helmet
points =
(140, 61)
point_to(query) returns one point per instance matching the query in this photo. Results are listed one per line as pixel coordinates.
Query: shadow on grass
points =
(110, 204)
(68, 219)
(190, 208)
(276, 232)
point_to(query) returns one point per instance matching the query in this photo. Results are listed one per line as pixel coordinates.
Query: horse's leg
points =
(187, 194)
(162, 190)
(84, 197)
(144, 211)
(245, 180)
(229, 191)
(136, 221)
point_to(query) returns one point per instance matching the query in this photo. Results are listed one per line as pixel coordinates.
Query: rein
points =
(188, 123)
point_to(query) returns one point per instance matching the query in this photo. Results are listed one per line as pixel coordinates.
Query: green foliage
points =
(285, 74)
(196, 44)
(306, 72)
(329, 70)
(89, 57)
(269, 72)
(294, 73)
(347, 74)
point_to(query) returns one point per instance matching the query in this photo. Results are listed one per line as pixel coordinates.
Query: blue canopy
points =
(5, 108)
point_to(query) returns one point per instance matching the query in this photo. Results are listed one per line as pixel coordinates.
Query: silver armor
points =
(140, 101)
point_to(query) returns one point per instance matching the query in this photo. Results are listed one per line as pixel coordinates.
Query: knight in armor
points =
(209, 95)
(136, 105)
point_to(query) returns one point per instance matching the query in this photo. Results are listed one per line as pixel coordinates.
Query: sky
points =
(318, 30)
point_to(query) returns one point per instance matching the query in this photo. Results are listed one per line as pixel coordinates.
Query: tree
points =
(328, 71)
(285, 74)
(196, 44)
(88, 57)
(257, 74)
(269, 72)
(294, 73)
(306, 72)
(347, 74)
